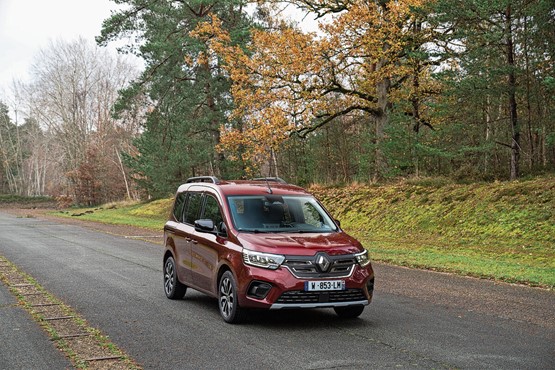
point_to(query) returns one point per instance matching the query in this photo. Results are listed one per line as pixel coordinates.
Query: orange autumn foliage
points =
(289, 82)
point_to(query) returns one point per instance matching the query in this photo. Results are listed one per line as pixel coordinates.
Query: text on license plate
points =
(324, 285)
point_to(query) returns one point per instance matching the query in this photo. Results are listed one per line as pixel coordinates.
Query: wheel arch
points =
(168, 253)
(223, 268)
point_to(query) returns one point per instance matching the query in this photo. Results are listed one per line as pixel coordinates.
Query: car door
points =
(206, 250)
(184, 236)
(178, 234)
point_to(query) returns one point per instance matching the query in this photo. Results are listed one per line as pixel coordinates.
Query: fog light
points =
(259, 289)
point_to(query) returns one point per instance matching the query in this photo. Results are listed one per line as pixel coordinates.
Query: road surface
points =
(418, 319)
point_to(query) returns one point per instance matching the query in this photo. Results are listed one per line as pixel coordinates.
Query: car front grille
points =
(301, 297)
(306, 267)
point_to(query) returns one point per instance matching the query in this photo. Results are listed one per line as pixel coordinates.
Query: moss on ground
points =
(503, 230)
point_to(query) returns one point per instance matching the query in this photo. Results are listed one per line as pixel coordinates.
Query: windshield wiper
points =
(256, 231)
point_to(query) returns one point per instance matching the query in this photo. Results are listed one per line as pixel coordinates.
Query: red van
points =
(262, 244)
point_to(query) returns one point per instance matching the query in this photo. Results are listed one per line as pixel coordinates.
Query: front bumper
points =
(287, 291)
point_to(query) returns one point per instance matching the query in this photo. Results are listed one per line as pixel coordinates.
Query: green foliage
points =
(185, 96)
(186, 90)
(16, 147)
(9, 166)
(475, 106)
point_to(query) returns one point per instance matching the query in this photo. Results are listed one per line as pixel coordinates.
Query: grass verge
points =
(503, 231)
(151, 215)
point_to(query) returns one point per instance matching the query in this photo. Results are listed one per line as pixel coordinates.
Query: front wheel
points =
(349, 312)
(172, 286)
(227, 299)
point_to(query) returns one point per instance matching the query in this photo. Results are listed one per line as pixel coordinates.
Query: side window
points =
(194, 205)
(178, 206)
(212, 211)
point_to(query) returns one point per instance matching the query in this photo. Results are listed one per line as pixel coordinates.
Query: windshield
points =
(275, 213)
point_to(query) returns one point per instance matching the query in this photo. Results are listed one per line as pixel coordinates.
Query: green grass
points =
(150, 215)
(503, 231)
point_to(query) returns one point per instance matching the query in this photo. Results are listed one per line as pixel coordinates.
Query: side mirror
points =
(338, 223)
(204, 226)
(222, 229)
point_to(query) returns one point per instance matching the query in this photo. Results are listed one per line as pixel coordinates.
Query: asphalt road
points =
(418, 319)
(23, 344)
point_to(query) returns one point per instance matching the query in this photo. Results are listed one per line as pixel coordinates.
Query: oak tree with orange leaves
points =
(363, 60)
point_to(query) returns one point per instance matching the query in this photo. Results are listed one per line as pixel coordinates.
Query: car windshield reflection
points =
(279, 214)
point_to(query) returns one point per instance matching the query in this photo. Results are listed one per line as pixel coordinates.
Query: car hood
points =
(300, 244)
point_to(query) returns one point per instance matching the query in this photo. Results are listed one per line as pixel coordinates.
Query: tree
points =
(290, 82)
(69, 109)
(500, 51)
(9, 152)
(23, 157)
(186, 90)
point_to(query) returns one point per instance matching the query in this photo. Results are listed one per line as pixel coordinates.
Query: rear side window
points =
(178, 206)
(192, 211)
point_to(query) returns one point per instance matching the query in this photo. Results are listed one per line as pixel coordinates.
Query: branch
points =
(338, 6)
(504, 144)
(419, 122)
(303, 132)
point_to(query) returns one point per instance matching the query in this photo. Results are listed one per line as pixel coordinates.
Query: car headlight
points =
(264, 260)
(362, 258)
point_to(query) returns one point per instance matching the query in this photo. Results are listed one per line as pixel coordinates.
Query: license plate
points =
(324, 285)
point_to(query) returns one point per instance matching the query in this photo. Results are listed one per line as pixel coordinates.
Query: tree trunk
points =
(380, 163)
(515, 143)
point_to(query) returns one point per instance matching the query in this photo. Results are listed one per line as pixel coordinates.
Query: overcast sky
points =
(26, 26)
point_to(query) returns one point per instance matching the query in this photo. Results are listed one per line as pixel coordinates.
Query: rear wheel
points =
(349, 312)
(227, 299)
(172, 286)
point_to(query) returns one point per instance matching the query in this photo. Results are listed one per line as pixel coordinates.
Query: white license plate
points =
(324, 285)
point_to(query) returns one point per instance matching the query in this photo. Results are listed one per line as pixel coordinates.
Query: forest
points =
(350, 91)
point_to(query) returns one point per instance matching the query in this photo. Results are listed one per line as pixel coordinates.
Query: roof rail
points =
(271, 179)
(212, 179)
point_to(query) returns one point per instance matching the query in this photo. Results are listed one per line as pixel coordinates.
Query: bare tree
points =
(71, 97)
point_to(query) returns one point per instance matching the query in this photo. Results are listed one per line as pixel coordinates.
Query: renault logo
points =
(323, 262)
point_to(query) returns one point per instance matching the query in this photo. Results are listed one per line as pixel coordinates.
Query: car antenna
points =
(268, 185)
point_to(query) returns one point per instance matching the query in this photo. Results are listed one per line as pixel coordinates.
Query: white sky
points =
(26, 26)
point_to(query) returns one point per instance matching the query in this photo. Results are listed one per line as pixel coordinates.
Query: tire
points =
(227, 299)
(172, 286)
(349, 312)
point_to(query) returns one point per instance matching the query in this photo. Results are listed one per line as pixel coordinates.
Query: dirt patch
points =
(39, 299)
(47, 310)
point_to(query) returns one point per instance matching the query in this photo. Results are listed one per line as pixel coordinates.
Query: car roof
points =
(244, 187)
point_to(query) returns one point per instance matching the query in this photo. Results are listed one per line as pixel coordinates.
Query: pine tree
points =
(186, 90)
